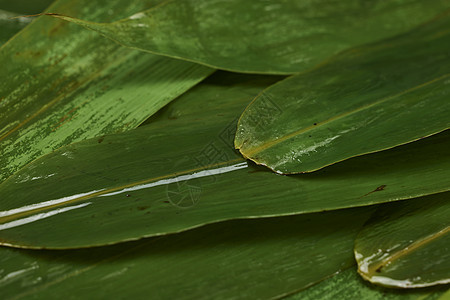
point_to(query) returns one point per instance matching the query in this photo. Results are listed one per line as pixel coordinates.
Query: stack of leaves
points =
(285, 149)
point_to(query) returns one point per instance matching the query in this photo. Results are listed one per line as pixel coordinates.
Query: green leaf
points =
(260, 36)
(365, 100)
(180, 171)
(348, 285)
(62, 84)
(248, 259)
(13, 9)
(25, 7)
(408, 244)
(9, 26)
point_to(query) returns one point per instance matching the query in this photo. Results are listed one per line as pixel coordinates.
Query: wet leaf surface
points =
(180, 171)
(262, 37)
(407, 244)
(257, 259)
(64, 84)
(348, 285)
(365, 100)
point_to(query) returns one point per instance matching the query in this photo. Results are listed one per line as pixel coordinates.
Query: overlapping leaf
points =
(10, 22)
(9, 26)
(407, 245)
(365, 100)
(348, 285)
(255, 259)
(119, 187)
(25, 7)
(61, 83)
(262, 36)
(180, 171)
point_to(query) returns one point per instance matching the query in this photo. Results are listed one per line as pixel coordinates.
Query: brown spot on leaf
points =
(57, 28)
(380, 188)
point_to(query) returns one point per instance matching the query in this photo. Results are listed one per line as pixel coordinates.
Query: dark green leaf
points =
(407, 244)
(9, 27)
(247, 259)
(181, 171)
(62, 84)
(348, 285)
(10, 22)
(365, 100)
(282, 37)
(25, 7)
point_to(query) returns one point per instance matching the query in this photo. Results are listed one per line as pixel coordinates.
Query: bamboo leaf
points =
(348, 285)
(259, 36)
(408, 244)
(9, 26)
(10, 11)
(180, 171)
(365, 100)
(248, 259)
(63, 84)
(25, 7)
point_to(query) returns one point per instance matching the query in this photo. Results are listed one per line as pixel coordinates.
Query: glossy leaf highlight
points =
(407, 244)
(62, 84)
(348, 285)
(261, 36)
(180, 171)
(365, 100)
(253, 259)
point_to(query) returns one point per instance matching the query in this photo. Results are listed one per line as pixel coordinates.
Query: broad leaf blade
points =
(259, 36)
(365, 100)
(181, 171)
(64, 84)
(9, 26)
(407, 245)
(10, 12)
(248, 259)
